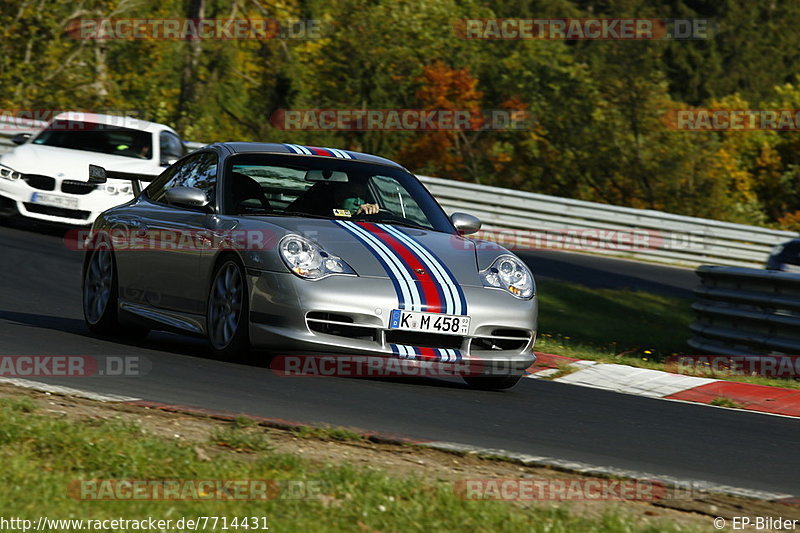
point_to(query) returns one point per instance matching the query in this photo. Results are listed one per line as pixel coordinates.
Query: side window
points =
(199, 171)
(171, 147)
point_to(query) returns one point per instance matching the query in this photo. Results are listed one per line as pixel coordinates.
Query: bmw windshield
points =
(94, 137)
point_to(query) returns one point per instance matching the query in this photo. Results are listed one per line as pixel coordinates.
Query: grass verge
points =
(42, 455)
(620, 326)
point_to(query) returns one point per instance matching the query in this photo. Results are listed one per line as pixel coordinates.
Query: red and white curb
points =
(666, 385)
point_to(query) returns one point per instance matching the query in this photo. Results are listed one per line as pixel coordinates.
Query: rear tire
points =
(492, 382)
(228, 312)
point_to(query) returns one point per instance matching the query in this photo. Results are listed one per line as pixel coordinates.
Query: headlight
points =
(113, 189)
(9, 174)
(309, 261)
(510, 274)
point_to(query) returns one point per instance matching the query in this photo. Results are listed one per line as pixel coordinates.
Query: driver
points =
(351, 197)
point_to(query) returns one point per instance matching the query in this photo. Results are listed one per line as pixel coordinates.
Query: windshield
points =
(93, 137)
(270, 184)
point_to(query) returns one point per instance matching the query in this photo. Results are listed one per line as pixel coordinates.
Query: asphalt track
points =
(40, 314)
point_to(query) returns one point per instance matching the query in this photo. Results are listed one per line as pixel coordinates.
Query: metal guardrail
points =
(743, 311)
(524, 220)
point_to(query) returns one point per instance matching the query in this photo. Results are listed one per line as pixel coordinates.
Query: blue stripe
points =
(416, 295)
(401, 302)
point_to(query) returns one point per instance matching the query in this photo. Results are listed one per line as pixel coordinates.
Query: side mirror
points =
(186, 197)
(97, 174)
(465, 224)
(20, 138)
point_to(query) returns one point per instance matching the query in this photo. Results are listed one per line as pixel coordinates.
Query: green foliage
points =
(597, 130)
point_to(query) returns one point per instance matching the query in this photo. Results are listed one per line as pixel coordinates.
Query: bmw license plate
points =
(429, 322)
(55, 200)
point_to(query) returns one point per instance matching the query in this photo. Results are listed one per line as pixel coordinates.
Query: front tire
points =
(101, 296)
(492, 382)
(99, 292)
(227, 313)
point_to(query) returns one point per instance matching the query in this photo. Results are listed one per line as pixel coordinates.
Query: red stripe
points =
(320, 151)
(431, 302)
(427, 353)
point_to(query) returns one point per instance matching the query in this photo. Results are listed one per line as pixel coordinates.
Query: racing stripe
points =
(449, 291)
(403, 291)
(405, 286)
(445, 355)
(315, 150)
(340, 153)
(431, 288)
(321, 151)
(296, 148)
(440, 267)
(415, 299)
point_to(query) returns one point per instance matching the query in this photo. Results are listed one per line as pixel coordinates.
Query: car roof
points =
(310, 151)
(113, 120)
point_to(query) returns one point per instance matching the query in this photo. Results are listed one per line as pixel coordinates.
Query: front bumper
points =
(87, 206)
(284, 311)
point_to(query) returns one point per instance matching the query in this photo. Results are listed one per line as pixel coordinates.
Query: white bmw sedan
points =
(45, 176)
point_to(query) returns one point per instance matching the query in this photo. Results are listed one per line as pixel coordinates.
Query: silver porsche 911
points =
(297, 249)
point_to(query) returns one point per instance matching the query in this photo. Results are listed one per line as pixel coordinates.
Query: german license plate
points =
(54, 200)
(429, 322)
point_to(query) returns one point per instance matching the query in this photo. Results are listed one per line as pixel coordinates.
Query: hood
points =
(375, 250)
(71, 164)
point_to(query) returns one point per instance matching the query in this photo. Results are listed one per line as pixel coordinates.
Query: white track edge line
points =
(68, 391)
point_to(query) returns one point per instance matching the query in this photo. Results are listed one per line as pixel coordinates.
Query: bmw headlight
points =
(114, 189)
(9, 173)
(307, 260)
(510, 274)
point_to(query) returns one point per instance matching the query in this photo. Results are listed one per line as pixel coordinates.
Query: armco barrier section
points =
(745, 311)
(523, 220)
